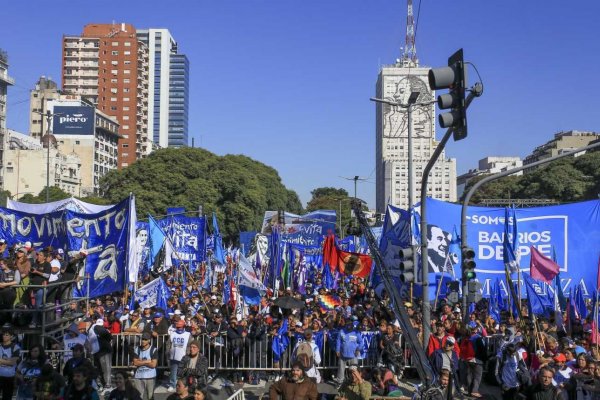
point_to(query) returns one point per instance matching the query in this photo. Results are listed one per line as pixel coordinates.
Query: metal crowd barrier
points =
(239, 395)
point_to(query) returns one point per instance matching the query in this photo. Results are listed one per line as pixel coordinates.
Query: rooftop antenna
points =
(355, 179)
(409, 53)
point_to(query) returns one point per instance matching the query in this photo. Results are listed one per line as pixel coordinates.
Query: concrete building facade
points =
(108, 66)
(26, 162)
(396, 83)
(97, 148)
(488, 165)
(168, 88)
(5, 82)
(562, 142)
(45, 90)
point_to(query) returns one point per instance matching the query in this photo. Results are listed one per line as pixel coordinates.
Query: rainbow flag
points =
(328, 302)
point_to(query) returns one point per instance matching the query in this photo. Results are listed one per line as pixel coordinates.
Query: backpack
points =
(305, 356)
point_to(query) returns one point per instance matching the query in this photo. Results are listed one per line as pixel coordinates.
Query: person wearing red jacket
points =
(438, 340)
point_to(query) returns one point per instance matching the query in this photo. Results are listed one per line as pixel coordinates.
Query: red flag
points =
(542, 268)
(346, 262)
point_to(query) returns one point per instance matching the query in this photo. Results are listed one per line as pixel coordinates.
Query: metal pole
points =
(48, 116)
(424, 259)
(478, 184)
(411, 189)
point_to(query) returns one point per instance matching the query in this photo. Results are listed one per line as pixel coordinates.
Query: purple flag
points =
(541, 267)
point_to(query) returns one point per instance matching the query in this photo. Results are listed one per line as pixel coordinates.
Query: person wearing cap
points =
(72, 338)
(438, 339)
(78, 360)
(507, 366)
(295, 386)
(445, 358)
(145, 360)
(100, 341)
(312, 372)
(194, 366)
(354, 387)
(563, 372)
(179, 338)
(158, 326)
(347, 349)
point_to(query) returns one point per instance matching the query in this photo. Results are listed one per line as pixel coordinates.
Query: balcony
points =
(5, 78)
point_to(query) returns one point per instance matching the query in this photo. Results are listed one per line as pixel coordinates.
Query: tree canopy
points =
(328, 198)
(236, 187)
(566, 180)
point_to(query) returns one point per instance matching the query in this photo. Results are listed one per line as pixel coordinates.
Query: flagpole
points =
(438, 291)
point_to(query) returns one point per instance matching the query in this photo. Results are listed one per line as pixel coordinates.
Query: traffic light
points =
(474, 291)
(454, 78)
(407, 266)
(468, 263)
(453, 288)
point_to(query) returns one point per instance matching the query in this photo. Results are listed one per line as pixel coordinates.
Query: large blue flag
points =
(580, 302)
(219, 253)
(280, 341)
(511, 240)
(155, 293)
(156, 238)
(537, 304)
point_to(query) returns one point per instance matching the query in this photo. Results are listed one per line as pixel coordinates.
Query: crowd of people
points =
(199, 334)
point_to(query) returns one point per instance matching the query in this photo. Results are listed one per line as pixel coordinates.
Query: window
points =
(127, 44)
(127, 62)
(125, 127)
(114, 80)
(115, 43)
(113, 108)
(127, 72)
(114, 71)
(114, 62)
(125, 98)
(127, 53)
(125, 90)
(115, 53)
(125, 108)
(126, 80)
(125, 144)
(77, 142)
(113, 99)
(114, 90)
(125, 117)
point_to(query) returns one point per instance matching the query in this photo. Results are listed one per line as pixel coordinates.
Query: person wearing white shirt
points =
(179, 339)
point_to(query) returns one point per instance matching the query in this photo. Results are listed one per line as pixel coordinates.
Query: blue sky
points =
(288, 82)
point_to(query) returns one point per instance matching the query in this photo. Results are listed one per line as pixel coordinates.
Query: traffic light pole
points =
(478, 184)
(426, 306)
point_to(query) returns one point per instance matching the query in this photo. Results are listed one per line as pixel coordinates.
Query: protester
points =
(181, 391)
(179, 338)
(354, 387)
(78, 361)
(145, 360)
(80, 387)
(9, 357)
(100, 341)
(28, 371)
(296, 386)
(194, 366)
(124, 390)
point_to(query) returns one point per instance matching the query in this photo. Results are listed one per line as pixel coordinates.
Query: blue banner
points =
(571, 231)
(73, 120)
(188, 236)
(153, 294)
(246, 240)
(103, 236)
(308, 229)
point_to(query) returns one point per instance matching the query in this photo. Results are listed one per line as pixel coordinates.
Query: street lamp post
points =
(49, 137)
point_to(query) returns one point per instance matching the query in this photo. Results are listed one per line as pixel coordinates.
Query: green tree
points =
(55, 194)
(565, 180)
(328, 198)
(236, 187)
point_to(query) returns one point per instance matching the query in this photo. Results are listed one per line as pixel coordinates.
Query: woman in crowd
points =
(125, 389)
(28, 371)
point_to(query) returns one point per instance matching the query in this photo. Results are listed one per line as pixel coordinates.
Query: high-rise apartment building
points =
(5, 82)
(168, 89)
(395, 83)
(108, 66)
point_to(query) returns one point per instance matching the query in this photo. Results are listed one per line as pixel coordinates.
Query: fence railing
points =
(254, 355)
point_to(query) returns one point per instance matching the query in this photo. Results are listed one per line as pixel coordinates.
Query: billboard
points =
(73, 120)
(569, 233)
